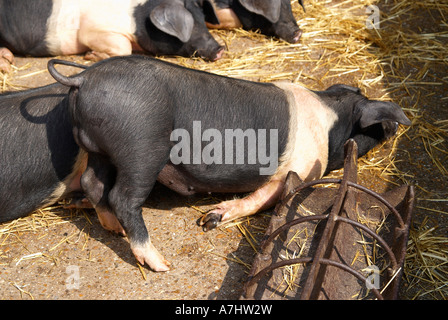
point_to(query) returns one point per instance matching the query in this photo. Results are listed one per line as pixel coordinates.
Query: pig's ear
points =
(210, 12)
(379, 111)
(173, 19)
(270, 9)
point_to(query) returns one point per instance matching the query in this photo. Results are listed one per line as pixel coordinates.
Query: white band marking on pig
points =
(73, 23)
(63, 26)
(310, 123)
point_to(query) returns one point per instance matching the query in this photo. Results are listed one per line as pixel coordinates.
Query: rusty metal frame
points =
(348, 189)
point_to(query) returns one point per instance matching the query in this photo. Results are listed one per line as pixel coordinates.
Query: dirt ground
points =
(66, 254)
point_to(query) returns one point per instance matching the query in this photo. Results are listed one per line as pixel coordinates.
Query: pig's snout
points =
(212, 55)
(219, 53)
(296, 36)
(290, 36)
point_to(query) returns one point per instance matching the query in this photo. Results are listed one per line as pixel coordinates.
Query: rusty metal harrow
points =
(321, 241)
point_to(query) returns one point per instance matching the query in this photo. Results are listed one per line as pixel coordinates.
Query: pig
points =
(271, 17)
(40, 162)
(107, 28)
(134, 117)
(38, 159)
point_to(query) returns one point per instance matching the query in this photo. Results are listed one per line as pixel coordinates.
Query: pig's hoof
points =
(5, 66)
(210, 221)
(6, 60)
(96, 56)
(78, 202)
(147, 253)
(109, 221)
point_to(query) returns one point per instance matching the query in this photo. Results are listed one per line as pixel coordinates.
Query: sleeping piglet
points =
(106, 28)
(272, 17)
(142, 120)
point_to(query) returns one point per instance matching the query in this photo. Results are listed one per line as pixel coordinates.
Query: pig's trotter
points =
(149, 254)
(96, 181)
(6, 60)
(210, 221)
(223, 212)
(5, 66)
(263, 198)
(7, 55)
(78, 201)
(109, 221)
(96, 56)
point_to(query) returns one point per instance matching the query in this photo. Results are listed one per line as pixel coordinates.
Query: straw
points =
(426, 265)
(392, 63)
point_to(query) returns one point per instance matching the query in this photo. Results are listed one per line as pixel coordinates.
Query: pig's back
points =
(229, 105)
(140, 92)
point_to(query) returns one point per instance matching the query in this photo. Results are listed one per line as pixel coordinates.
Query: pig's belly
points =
(191, 179)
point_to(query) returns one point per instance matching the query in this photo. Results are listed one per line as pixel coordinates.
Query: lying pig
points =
(272, 17)
(40, 162)
(140, 123)
(39, 159)
(107, 28)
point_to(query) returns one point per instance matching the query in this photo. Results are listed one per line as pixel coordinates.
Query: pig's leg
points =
(96, 181)
(6, 60)
(78, 201)
(130, 191)
(261, 199)
(227, 20)
(137, 156)
(105, 45)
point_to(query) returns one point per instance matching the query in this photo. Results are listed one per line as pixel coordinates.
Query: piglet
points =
(106, 28)
(39, 159)
(271, 17)
(142, 120)
(40, 162)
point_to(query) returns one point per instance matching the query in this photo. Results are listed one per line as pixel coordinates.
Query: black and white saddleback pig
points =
(271, 17)
(141, 120)
(40, 162)
(106, 28)
(39, 156)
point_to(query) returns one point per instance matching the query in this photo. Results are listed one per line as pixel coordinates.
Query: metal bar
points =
(351, 184)
(276, 265)
(289, 225)
(323, 243)
(380, 198)
(353, 272)
(376, 236)
(290, 262)
(331, 243)
(307, 185)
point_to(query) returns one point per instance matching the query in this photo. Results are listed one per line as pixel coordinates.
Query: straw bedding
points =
(404, 61)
